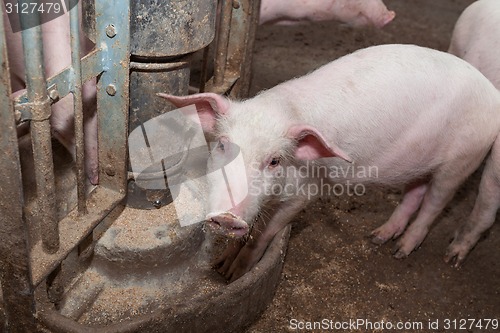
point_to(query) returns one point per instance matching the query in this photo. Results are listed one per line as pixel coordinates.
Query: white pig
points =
(476, 38)
(356, 13)
(420, 118)
(57, 56)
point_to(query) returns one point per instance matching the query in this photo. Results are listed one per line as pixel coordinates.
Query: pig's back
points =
(476, 38)
(399, 106)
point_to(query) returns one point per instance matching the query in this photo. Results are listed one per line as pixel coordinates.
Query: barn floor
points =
(332, 271)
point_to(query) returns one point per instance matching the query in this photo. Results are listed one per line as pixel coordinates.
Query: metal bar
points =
(40, 129)
(90, 69)
(17, 290)
(241, 43)
(78, 108)
(75, 228)
(204, 67)
(113, 92)
(222, 42)
(111, 61)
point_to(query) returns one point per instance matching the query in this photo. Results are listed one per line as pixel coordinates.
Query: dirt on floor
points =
(332, 272)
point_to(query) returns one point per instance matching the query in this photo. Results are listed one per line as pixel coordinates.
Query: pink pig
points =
(476, 38)
(417, 117)
(356, 13)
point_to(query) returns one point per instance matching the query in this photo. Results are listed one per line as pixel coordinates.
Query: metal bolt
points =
(109, 170)
(111, 31)
(54, 95)
(236, 4)
(111, 89)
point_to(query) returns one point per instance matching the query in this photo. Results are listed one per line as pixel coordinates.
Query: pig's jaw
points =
(227, 224)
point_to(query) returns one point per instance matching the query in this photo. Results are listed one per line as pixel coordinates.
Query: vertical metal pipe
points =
(244, 23)
(40, 129)
(17, 290)
(204, 68)
(222, 42)
(78, 107)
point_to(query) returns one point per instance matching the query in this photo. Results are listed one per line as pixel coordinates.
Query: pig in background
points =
(356, 13)
(424, 118)
(57, 57)
(476, 38)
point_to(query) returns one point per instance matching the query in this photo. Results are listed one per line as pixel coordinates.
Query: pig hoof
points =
(378, 240)
(379, 236)
(455, 255)
(399, 251)
(386, 232)
(453, 259)
(399, 254)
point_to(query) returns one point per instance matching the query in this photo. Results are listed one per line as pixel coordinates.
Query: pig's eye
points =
(274, 162)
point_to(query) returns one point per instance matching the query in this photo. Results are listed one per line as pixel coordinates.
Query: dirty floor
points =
(332, 271)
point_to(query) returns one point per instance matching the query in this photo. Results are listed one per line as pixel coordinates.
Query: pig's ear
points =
(208, 105)
(311, 145)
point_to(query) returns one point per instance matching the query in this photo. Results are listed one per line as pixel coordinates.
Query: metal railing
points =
(29, 263)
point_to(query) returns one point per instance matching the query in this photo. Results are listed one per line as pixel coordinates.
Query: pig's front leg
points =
(239, 259)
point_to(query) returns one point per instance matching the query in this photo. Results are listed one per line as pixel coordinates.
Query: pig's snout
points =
(388, 17)
(227, 224)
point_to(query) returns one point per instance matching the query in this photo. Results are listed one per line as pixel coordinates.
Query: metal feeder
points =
(74, 261)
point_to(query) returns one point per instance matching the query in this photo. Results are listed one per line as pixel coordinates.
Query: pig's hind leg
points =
(399, 219)
(484, 212)
(445, 181)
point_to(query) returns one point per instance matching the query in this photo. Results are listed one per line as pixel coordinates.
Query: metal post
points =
(112, 25)
(39, 104)
(223, 42)
(17, 289)
(78, 107)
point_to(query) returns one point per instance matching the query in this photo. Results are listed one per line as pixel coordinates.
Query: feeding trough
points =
(109, 264)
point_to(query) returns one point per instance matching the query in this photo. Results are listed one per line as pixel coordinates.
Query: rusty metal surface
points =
(110, 60)
(162, 28)
(223, 31)
(88, 18)
(74, 228)
(233, 49)
(77, 85)
(146, 80)
(241, 43)
(39, 106)
(241, 303)
(17, 290)
(162, 33)
(112, 108)
(59, 83)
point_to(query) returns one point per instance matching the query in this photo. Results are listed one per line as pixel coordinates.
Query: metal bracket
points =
(23, 109)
